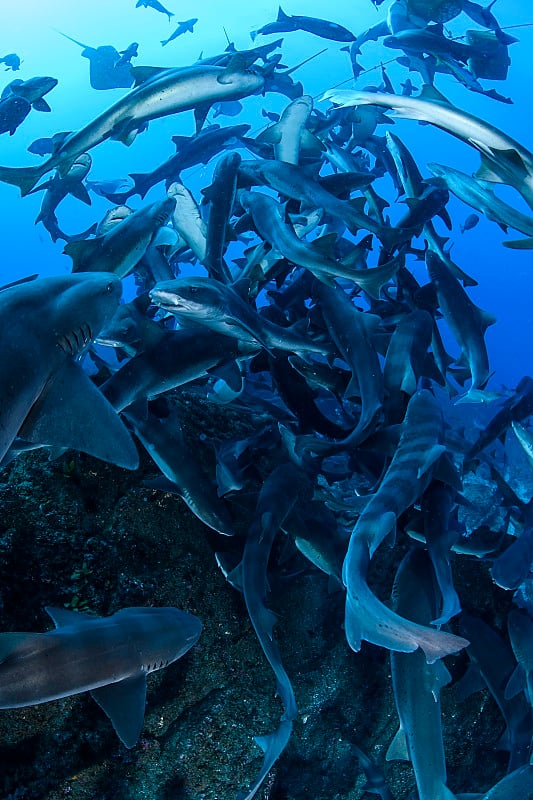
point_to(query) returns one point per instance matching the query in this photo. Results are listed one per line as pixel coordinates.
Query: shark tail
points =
(23, 177)
(142, 183)
(368, 619)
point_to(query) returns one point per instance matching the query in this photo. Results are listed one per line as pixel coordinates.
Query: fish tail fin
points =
(23, 177)
(141, 184)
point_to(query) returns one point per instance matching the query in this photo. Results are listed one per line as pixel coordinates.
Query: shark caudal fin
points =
(23, 177)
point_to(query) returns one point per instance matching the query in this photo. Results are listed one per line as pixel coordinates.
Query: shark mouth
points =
(73, 342)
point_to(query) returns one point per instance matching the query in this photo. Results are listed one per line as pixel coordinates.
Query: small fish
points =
(470, 222)
(126, 55)
(12, 62)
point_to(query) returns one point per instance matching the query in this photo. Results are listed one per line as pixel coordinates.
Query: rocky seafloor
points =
(79, 533)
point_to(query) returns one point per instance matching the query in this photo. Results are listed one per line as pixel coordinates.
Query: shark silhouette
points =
(108, 656)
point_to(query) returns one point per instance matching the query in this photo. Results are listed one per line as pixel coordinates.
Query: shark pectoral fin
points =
(125, 132)
(398, 747)
(440, 677)
(124, 703)
(486, 319)
(308, 141)
(446, 472)
(72, 412)
(270, 135)
(23, 177)
(516, 683)
(40, 105)
(231, 374)
(430, 457)
(515, 160)
(520, 244)
(200, 115)
(79, 191)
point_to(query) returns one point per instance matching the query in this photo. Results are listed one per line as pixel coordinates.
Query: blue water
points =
(31, 31)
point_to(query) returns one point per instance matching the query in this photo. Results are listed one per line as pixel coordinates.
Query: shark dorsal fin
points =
(433, 95)
(62, 616)
(143, 74)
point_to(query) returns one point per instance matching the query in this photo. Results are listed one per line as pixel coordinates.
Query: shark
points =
(205, 301)
(319, 27)
(121, 248)
(183, 27)
(158, 93)
(47, 398)
(109, 657)
(155, 5)
(503, 159)
(417, 684)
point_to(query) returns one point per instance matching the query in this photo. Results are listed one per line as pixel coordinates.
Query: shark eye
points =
(110, 288)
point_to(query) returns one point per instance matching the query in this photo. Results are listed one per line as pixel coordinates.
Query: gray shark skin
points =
(168, 359)
(46, 397)
(352, 332)
(56, 189)
(293, 182)
(183, 27)
(285, 487)
(156, 5)
(467, 322)
(221, 197)
(319, 27)
(190, 151)
(407, 477)
(210, 303)
(414, 187)
(107, 656)
(417, 685)
(122, 247)
(481, 197)
(165, 443)
(164, 92)
(290, 135)
(267, 215)
(503, 160)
